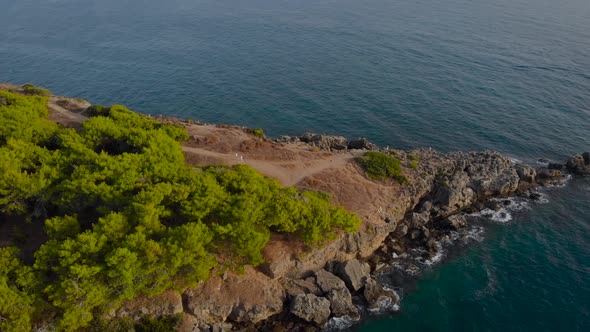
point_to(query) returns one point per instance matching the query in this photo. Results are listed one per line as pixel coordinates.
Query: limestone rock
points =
(454, 222)
(341, 303)
(325, 142)
(311, 308)
(579, 164)
(454, 194)
(302, 286)
(526, 173)
(353, 273)
(419, 219)
(250, 297)
(168, 303)
(361, 144)
(328, 281)
(546, 176)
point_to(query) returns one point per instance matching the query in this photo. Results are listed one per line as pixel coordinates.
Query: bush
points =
(33, 90)
(380, 166)
(413, 164)
(256, 132)
(125, 216)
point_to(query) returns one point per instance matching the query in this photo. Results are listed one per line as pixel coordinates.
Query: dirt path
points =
(73, 117)
(287, 173)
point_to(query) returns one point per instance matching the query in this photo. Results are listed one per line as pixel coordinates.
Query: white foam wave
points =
(542, 162)
(501, 216)
(437, 257)
(542, 198)
(505, 205)
(339, 323)
(513, 203)
(474, 234)
(515, 161)
(561, 184)
(386, 304)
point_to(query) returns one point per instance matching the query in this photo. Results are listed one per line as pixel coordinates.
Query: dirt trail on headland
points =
(290, 164)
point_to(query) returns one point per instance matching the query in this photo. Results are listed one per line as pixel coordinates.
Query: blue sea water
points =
(510, 75)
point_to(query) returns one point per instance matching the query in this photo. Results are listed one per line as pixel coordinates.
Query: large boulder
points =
(302, 286)
(454, 222)
(168, 303)
(526, 173)
(353, 273)
(341, 303)
(361, 144)
(325, 142)
(311, 308)
(417, 220)
(250, 297)
(328, 281)
(547, 176)
(454, 194)
(491, 174)
(579, 164)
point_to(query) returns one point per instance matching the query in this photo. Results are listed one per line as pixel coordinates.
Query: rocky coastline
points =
(332, 287)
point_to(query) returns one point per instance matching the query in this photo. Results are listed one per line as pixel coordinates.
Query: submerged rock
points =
(378, 297)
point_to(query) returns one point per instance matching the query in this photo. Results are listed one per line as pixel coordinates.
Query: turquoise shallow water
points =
(450, 74)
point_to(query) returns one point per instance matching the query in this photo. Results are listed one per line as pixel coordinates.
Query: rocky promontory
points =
(332, 286)
(423, 199)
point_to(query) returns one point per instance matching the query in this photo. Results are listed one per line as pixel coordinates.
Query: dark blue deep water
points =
(510, 75)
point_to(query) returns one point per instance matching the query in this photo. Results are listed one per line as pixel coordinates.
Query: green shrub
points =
(413, 157)
(34, 90)
(99, 110)
(125, 216)
(380, 166)
(413, 164)
(256, 132)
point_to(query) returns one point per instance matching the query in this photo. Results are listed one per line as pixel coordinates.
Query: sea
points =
(507, 75)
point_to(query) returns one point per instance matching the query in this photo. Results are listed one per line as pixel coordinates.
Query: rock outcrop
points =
(353, 273)
(311, 308)
(579, 164)
(329, 142)
(327, 280)
(168, 303)
(341, 303)
(250, 298)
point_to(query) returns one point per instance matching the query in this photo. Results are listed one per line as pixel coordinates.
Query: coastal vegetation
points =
(35, 90)
(123, 215)
(380, 166)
